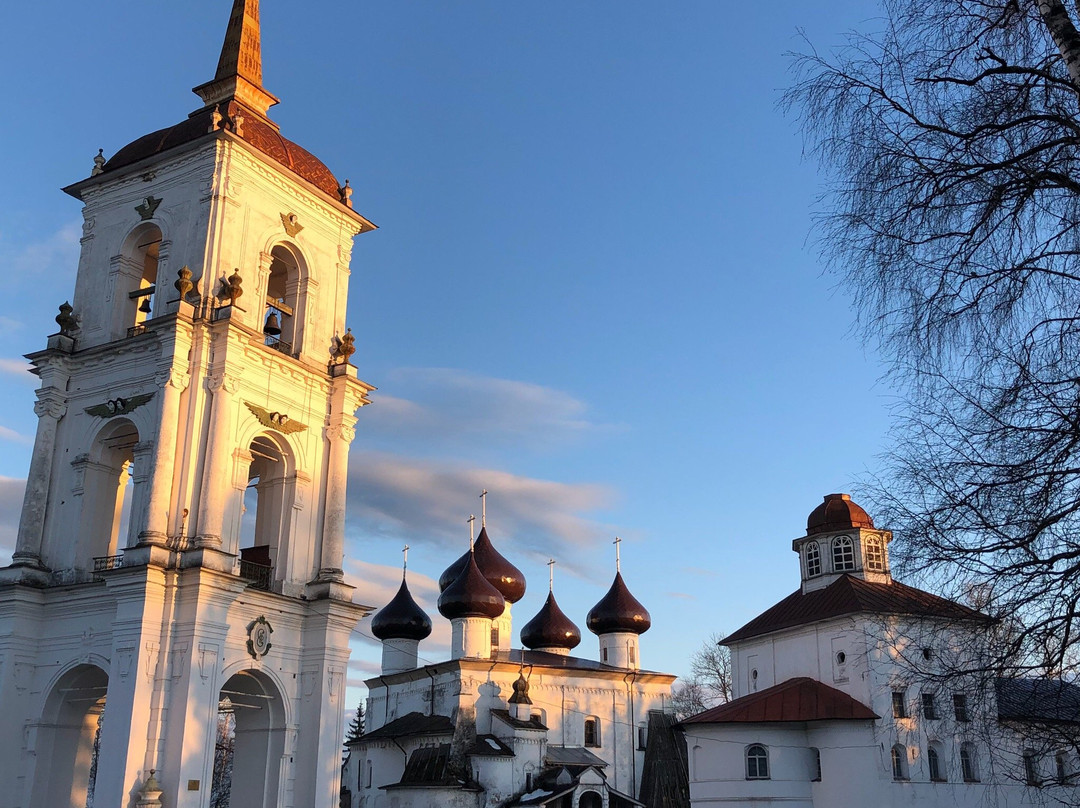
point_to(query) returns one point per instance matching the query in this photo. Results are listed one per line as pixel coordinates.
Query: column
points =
(49, 408)
(162, 463)
(333, 534)
(213, 488)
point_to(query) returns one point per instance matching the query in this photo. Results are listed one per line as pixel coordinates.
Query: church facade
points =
(849, 692)
(179, 554)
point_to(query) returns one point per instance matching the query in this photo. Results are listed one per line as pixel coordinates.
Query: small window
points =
(1061, 772)
(841, 657)
(929, 708)
(934, 761)
(494, 640)
(875, 555)
(642, 736)
(813, 559)
(968, 768)
(843, 554)
(960, 710)
(899, 706)
(1031, 768)
(603, 654)
(528, 781)
(757, 762)
(633, 654)
(899, 762)
(592, 731)
(815, 765)
(928, 654)
(369, 774)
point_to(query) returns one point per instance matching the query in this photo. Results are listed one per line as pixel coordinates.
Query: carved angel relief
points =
(275, 420)
(119, 406)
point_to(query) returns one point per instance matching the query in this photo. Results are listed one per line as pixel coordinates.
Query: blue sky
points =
(593, 291)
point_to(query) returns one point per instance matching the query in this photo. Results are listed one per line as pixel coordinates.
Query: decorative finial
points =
(183, 281)
(215, 118)
(551, 574)
(404, 561)
(99, 163)
(617, 542)
(347, 347)
(483, 508)
(65, 319)
(235, 289)
(345, 193)
(238, 124)
(472, 526)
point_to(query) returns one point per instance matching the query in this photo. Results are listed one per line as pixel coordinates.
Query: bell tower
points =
(177, 578)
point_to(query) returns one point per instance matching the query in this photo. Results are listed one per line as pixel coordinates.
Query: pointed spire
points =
(241, 54)
(239, 71)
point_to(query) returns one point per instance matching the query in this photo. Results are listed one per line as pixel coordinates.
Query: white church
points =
(178, 566)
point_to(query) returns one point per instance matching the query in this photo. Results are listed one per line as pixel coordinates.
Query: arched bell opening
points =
(265, 517)
(138, 277)
(283, 312)
(67, 740)
(112, 486)
(250, 743)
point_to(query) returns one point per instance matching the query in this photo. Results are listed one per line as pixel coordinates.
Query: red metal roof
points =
(801, 699)
(849, 595)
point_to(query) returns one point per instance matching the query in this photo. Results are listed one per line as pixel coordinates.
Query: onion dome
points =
(521, 690)
(471, 595)
(499, 572)
(551, 628)
(618, 610)
(401, 618)
(837, 512)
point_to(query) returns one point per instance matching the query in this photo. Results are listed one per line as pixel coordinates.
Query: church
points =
(179, 553)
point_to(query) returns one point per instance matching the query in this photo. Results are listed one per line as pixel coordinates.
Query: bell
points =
(272, 328)
(144, 307)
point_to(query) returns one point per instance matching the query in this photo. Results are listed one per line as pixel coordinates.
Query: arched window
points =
(592, 731)
(757, 762)
(1061, 768)
(875, 555)
(899, 762)
(267, 504)
(815, 764)
(590, 799)
(642, 735)
(111, 494)
(1031, 768)
(813, 559)
(281, 328)
(935, 760)
(969, 764)
(136, 283)
(843, 554)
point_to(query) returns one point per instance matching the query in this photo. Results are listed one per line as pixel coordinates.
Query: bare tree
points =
(951, 143)
(709, 682)
(687, 699)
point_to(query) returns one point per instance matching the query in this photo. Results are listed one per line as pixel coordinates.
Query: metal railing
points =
(103, 563)
(279, 345)
(258, 574)
(135, 330)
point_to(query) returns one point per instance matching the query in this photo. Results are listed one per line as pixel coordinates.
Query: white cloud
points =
(15, 437)
(424, 500)
(18, 368)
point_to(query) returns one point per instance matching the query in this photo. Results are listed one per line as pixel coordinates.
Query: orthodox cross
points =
(404, 560)
(617, 542)
(551, 574)
(483, 508)
(472, 526)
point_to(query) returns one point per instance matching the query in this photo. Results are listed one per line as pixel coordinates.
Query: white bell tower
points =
(177, 580)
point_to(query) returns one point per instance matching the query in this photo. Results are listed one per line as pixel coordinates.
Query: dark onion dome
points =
(500, 573)
(618, 610)
(551, 628)
(837, 512)
(470, 595)
(401, 618)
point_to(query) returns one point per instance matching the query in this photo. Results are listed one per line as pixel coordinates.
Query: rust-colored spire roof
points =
(837, 512)
(241, 54)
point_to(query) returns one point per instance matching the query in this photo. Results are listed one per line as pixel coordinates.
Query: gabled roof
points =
(1041, 700)
(800, 699)
(572, 756)
(489, 746)
(850, 595)
(532, 723)
(411, 724)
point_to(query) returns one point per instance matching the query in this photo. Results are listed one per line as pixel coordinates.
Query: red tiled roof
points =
(801, 699)
(849, 595)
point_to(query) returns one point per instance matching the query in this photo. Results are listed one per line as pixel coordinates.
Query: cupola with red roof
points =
(841, 540)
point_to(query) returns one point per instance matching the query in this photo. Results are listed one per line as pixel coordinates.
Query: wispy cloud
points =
(15, 437)
(422, 501)
(17, 368)
(54, 256)
(680, 596)
(447, 408)
(11, 494)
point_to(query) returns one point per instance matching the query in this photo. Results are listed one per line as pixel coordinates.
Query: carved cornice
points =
(222, 381)
(173, 378)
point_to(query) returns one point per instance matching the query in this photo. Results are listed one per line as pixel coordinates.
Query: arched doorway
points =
(590, 799)
(250, 743)
(67, 737)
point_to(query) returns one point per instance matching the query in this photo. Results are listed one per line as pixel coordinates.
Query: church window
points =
(280, 326)
(813, 559)
(935, 763)
(494, 640)
(899, 762)
(603, 654)
(875, 555)
(137, 281)
(929, 708)
(369, 774)
(815, 764)
(1031, 768)
(899, 704)
(642, 736)
(843, 554)
(960, 707)
(592, 731)
(841, 657)
(267, 505)
(757, 762)
(968, 764)
(632, 654)
(1060, 768)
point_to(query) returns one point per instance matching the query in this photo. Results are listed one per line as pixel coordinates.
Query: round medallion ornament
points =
(259, 631)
